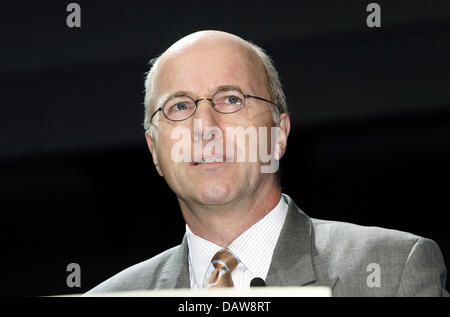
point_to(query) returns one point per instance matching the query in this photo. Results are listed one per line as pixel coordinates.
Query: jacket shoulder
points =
(140, 276)
(354, 245)
(370, 261)
(344, 235)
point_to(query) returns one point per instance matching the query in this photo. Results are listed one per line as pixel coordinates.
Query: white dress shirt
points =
(254, 248)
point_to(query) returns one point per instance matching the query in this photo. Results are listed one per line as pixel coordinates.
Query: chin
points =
(215, 194)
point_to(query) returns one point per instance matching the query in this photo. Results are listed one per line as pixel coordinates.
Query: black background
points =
(370, 142)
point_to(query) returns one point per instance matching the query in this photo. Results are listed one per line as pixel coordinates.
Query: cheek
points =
(165, 143)
(260, 113)
(257, 133)
(164, 160)
(174, 149)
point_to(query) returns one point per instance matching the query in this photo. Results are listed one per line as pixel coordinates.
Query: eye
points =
(180, 106)
(228, 100)
(233, 100)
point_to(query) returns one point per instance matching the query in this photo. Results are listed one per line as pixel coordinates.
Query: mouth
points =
(210, 160)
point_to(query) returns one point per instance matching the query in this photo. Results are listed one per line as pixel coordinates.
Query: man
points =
(212, 89)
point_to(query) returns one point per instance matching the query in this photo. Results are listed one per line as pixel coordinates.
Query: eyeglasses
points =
(226, 100)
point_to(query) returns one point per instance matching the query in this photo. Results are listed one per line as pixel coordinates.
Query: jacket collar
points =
(291, 264)
(175, 273)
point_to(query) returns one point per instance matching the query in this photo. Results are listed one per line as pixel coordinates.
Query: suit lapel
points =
(291, 261)
(175, 273)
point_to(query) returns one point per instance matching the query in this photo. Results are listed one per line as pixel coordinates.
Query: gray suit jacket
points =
(352, 260)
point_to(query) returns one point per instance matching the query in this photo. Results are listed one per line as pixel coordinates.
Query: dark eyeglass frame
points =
(246, 96)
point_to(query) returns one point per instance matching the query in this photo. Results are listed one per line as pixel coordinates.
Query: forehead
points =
(202, 66)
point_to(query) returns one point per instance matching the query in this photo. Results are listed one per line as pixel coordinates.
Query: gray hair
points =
(273, 81)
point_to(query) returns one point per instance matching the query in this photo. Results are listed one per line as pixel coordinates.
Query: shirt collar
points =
(254, 247)
(201, 251)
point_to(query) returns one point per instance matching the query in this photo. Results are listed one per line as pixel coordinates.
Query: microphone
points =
(257, 282)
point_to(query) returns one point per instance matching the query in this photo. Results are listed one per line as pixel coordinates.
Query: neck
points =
(222, 224)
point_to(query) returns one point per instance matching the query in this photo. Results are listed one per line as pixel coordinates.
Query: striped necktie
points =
(224, 263)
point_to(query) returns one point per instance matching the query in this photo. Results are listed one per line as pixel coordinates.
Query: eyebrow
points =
(183, 92)
(169, 96)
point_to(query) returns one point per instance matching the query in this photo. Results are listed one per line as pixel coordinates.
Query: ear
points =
(151, 146)
(283, 133)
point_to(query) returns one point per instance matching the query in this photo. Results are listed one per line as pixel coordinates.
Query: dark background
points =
(370, 142)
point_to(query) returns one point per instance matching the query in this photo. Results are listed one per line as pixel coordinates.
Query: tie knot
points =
(225, 259)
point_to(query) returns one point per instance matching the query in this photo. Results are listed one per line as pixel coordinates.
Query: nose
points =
(205, 125)
(206, 113)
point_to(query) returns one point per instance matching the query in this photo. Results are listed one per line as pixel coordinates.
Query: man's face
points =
(199, 69)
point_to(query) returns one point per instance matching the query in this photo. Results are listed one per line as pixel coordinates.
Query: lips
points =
(209, 160)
